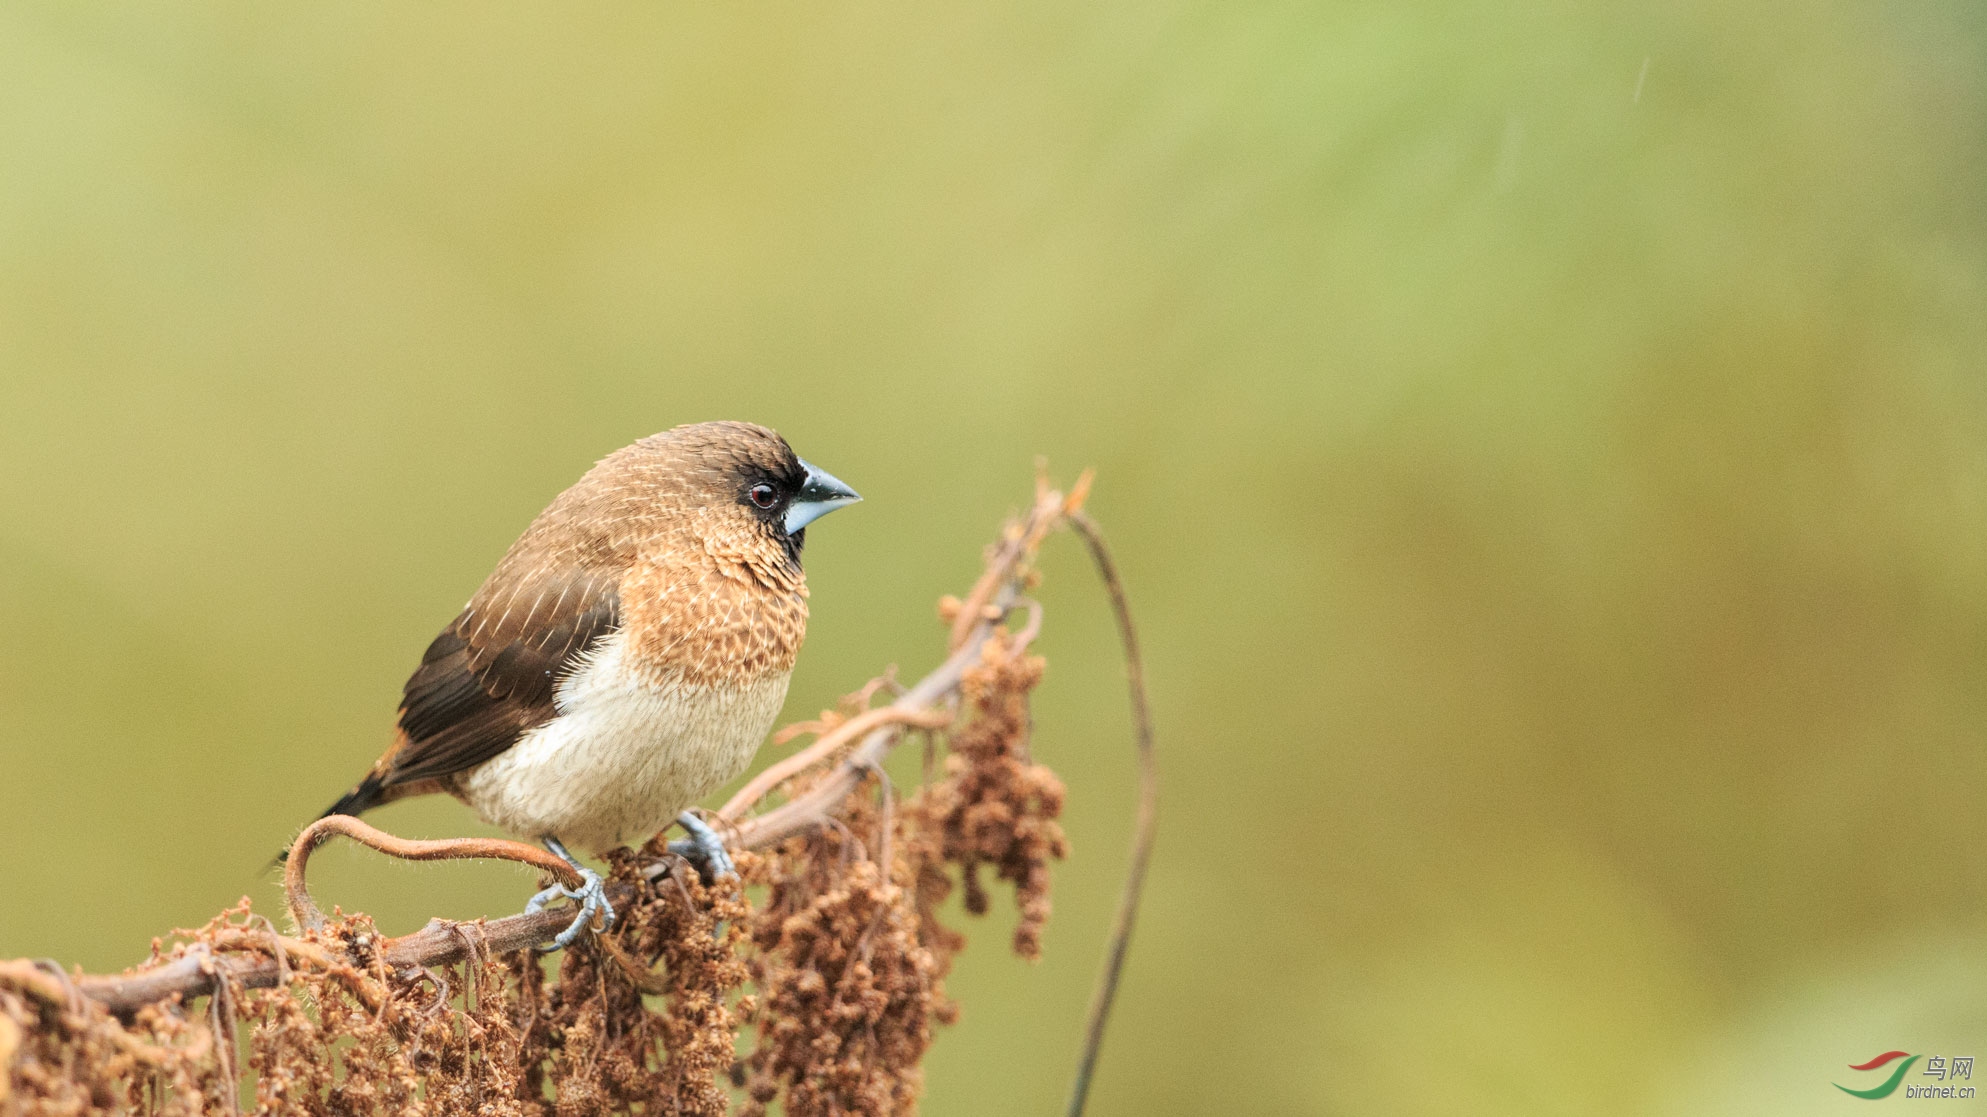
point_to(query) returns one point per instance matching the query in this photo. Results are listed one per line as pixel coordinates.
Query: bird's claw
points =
(592, 897)
(703, 848)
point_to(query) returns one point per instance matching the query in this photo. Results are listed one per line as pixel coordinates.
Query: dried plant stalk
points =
(829, 952)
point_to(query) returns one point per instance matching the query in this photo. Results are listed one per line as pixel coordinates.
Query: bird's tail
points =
(370, 793)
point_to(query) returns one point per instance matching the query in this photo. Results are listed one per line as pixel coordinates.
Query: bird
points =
(625, 658)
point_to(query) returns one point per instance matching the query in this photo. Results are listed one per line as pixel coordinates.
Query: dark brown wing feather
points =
(492, 674)
(486, 679)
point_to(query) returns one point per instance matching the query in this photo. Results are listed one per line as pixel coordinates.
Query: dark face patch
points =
(766, 479)
(768, 488)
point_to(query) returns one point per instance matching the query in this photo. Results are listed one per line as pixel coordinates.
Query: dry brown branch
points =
(844, 958)
(824, 747)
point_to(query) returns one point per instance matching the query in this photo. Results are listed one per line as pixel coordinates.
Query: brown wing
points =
(491, 675)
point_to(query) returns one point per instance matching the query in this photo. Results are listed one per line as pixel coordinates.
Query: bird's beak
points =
(818, 496)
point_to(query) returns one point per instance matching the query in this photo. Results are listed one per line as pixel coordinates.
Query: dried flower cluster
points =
(995, 807)
(612, 1051)
(65, 1054)
(347, 1034)
(828, 956)
(851, 957)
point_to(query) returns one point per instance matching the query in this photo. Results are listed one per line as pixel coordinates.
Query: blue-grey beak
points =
(818, 496)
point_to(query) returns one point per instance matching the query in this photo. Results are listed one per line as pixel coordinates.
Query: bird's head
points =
(739, 478)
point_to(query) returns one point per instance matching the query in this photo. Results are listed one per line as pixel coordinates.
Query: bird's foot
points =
(703, 848)
(591, 894)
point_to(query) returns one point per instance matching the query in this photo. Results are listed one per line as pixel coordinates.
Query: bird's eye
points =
(764, 495)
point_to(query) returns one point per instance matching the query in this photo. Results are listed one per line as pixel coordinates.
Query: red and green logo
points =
(1888, 1086)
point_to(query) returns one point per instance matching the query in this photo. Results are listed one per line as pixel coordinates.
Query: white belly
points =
(623, 757)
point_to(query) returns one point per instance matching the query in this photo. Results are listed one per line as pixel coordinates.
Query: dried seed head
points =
(995, 807)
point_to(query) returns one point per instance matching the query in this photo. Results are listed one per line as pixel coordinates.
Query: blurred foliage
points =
(1545, 444)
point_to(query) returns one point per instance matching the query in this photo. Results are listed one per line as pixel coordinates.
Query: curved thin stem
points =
(1144, 829)
(304, 910)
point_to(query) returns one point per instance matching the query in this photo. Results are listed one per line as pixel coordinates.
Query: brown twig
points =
(439, 943)
(305, 911)
(850, 706)
(1144, 830)
(1019, 542)
(824, 747)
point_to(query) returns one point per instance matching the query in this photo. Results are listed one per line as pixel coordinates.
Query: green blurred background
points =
(1545, 446)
